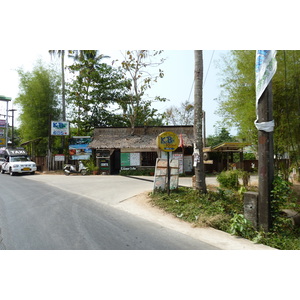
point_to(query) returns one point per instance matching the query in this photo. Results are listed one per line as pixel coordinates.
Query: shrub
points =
(229, 179)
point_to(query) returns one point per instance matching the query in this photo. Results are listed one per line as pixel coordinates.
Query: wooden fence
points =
(45, 164)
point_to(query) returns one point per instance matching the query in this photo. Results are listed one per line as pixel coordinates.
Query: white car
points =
(17, 161)
(2, 161)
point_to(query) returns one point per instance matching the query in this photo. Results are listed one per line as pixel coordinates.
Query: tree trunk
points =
(198, 121)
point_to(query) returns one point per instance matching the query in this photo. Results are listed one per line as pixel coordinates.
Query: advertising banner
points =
(59, 128)
(265, 69)
(78, 148)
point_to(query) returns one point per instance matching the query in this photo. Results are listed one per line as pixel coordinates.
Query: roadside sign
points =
(59, 157)
(2, 123)
(167, 141)
(59, 128)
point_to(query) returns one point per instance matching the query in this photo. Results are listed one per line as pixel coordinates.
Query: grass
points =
(214, 209)
(223, 209)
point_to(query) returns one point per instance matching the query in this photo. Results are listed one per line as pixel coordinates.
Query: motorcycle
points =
(68, 169)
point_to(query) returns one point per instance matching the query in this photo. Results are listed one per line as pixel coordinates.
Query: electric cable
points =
(211, 58)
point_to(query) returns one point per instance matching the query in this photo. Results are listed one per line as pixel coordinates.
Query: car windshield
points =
(20, 158)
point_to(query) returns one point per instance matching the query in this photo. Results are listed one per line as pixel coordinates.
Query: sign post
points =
(168, 141)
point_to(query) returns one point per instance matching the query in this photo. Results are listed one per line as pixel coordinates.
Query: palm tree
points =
(198, 117)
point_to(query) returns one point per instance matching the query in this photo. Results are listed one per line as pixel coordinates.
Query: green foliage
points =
(229, 179)
(237, 100)
(223, 210)
(222, 135)
(145, 172)
(38, 99)
(211, 209)
(282, 198)
(91, 166)
(241, 226)
(94, 88)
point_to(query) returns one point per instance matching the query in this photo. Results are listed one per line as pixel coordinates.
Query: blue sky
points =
(177, 84)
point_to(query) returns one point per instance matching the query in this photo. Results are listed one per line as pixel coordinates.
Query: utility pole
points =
(198, 124)
(265, 159)
(266, 66)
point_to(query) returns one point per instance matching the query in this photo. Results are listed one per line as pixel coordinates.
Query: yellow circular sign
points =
(167, 141)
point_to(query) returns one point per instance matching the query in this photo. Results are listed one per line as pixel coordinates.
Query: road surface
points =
(35, 215)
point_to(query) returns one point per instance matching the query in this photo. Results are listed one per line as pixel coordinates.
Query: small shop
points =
(221, 157)
(116, 149)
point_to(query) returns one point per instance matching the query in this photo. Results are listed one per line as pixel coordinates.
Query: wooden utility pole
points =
(265, 159)
(198, 117)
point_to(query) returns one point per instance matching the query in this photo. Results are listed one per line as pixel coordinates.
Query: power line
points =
(209, 66)
(205, 75)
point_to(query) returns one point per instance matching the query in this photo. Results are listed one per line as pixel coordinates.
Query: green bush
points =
(282, 198)
(229, 179)
(146, 172)
(241, 226)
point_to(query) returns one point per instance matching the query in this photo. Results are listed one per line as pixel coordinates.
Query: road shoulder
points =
(140, 205)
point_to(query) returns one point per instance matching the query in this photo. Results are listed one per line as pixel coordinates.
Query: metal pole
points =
(169, 173)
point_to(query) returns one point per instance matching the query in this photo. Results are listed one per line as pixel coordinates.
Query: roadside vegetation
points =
(222, 208)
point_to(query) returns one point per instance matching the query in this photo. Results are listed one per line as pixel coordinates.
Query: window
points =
(149, 158)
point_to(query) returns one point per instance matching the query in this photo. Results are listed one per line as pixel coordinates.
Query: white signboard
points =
(59, 128)
(59, 157)
(135, 159)
(161, 172)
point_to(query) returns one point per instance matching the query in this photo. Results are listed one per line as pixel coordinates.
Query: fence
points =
(45, 164)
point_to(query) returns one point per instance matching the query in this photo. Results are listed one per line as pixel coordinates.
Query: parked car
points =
(2, 160)
(17, 161)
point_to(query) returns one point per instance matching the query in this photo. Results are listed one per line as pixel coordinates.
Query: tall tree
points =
(221, 136)
(198, 121)
(38, 99)
(237, 100)
(137, 105)
(93, 90)
(182, 115)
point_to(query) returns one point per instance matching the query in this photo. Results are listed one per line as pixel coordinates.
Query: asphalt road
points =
(35, 215)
